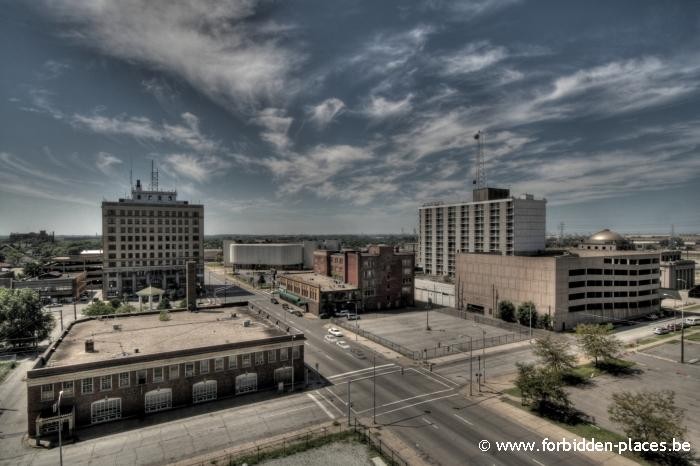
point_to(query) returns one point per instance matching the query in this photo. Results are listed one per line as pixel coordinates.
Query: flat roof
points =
(325, 282)
(618, 252)
(150, 335)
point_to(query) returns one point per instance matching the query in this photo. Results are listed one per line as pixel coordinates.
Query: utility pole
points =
(349, 403)
(478, 374)
(427, 310)
(682, 323)
(57, 408)
(483, 352)
(374, 387)
(471, 366)
(293, 362)
(61, 311)
(75, 310)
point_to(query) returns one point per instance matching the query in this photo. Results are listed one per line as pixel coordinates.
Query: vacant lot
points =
(347, 453)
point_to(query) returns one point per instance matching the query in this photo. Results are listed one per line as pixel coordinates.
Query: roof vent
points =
(89, 346)
(246, 323)
(117, 327)
(136, 350)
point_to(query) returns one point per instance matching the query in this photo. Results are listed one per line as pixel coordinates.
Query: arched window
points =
(283, 374)
(105, 410)
(204, 391)
(246, 383)
(158, 400)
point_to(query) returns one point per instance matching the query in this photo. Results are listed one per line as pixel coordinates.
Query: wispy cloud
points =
(276, 125)
(472, 58)
(195, 167)
(323, 113)
(379, 108)
(52, 69)
(105, 161)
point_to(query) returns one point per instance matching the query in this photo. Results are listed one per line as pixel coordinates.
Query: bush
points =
(527, 311)
(544, 321)
(506, 311)
(115, 303)
(164, 303)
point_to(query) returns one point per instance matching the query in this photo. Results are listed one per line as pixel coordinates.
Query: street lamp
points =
(682, 324)
(57, 408)
(427, 310)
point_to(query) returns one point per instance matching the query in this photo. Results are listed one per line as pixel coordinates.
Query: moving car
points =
(323, 315)
(692, 320)
(342, 344)
(353, 317)
(274, 301)
(295, 312)
(285, 306)
(342, 313)
(335, 332)
(330, 339)
(661, 330)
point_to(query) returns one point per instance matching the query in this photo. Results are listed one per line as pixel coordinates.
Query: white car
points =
(692, 320)
(342, 344)
(335, 332)
(330, 339)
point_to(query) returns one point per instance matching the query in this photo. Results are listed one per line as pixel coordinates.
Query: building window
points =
(124, 379)
(105, 383)
(141, 377)
(284, 354)
(68, 388)
(271, 356)
(86, 387)
(295, 352)
(158, 400)
(219, 364)
(105, 410)
(232, 362)
(246, 383)
(283, 374)
(189, 369)
(204, 391)
(245, 360)
(204, 366)
(157, 374)
(174, 372)
(47, 392)
(259, 358)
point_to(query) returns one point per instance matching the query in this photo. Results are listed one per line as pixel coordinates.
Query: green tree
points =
(526, 311)
(182, 304)
(597, 341)
(32, 269)
(164, 303)
(261, 279)
(22, 317)
(99, 308)
(651, 417)
(542, 389)
(545, 322)
(125, 308)
(506, 311)
(554, 353)
(115, 303)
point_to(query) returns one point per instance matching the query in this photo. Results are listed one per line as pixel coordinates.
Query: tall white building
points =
(493, 222)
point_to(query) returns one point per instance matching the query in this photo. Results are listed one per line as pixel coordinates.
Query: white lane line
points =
(431, 424)
(317, 350)
(409, 399)
(465, 420)
(533, 459)
(431, 378)
(416, 404)
(320, 405)
(329, 402)
(355, 372)
(339, 398)
(379, 374)
(450, 382)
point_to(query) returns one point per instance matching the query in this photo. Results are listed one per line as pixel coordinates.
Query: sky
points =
(323, 117)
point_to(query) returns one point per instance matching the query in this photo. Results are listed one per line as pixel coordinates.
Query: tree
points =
(115, 303)
(542, 389)
(182, 304)
(545, 322)
(22, 317)
(554, 353)
(32, 269)
(527, 311)
(506, 311)
(651, 417)
(597, 341)
(99, 308)
(261, 279)
(164, 303)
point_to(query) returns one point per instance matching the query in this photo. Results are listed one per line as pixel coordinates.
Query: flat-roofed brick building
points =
(124, 366)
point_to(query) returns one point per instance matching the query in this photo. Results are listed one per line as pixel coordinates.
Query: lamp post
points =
(682, 324)
(471, 365)
(293, 336)
(374, 387)
(57, 408)
(427, 310)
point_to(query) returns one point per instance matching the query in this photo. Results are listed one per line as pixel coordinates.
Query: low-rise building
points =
(278, 256)
(133, 365)
(55, 285)
(677, 273)
(378, 278)
(88, 261)
(600, 281)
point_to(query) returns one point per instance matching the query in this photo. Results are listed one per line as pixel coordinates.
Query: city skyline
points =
(302, 119)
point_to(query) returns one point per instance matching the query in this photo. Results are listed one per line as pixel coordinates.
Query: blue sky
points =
(343, 117)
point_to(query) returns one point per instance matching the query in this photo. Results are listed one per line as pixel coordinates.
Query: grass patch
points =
(293, 448)
(5, 368)
(513, 391)
(580, 375)
(694, 336)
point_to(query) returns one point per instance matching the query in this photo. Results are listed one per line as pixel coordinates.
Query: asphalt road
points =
(425, 409)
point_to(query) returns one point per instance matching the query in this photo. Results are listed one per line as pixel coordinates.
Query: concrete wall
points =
(441, 294)
(529, 223)
(266, 254)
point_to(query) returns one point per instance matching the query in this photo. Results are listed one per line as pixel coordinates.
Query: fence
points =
(292, 444)
(408, 352)
(481, 319)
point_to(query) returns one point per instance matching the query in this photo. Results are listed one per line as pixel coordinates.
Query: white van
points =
(692, 320)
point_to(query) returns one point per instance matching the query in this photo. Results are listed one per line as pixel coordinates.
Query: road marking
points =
(408, 399)
(465, 420)
(451, 382)
(329, 402)
(533, 459)
(419, 403)
(320, 405)
(355, 372)
(431, 424)
(339, 398)
(431, 378)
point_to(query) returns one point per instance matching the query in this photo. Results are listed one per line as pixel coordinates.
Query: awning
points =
(150, 291)
(291, 297)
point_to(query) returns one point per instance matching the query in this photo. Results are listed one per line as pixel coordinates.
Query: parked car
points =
(342, 313)
(342, 344)
(295, 312)
(274, 301)
(353, 317)
(330, 339)
(335, 332)
(692, 320)
(285, 306)
(324, 315)
(652, 317)
(661, 330)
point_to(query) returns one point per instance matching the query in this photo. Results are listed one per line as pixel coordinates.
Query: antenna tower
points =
(154, 177)
(480, 179)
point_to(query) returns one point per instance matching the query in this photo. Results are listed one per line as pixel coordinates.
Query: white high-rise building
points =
(493, 222)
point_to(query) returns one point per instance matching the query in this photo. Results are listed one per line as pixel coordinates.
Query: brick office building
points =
(132, 365)
(379, 278)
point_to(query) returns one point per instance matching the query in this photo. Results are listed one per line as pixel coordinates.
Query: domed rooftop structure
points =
(606, 236)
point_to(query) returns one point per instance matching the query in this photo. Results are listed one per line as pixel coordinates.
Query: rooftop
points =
(146, 334)
(326, 283)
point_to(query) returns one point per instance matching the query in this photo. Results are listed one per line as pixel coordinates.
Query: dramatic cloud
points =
(197, 168)
(323, 113)
(473, 58)
(379, 108)
(276, 126)
(106, 161)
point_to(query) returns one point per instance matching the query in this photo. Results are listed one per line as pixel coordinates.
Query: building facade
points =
(379, 278)
(493, 222)
(139, 365)
(577, 286)
(54, 286)
(147, 239)
(282, 256)
(677, 273)
(88, 261)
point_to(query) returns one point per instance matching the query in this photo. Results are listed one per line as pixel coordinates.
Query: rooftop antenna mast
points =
(480, 179)
(154, 177)
(131, 173)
